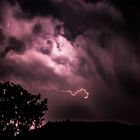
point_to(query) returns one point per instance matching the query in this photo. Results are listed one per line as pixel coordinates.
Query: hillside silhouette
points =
(71, 129)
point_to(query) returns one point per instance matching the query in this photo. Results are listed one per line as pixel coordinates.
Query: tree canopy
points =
(20, 110)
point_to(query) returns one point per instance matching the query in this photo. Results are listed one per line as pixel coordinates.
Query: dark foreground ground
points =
(80, 130)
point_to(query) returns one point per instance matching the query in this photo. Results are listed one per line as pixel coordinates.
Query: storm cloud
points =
(79, 53)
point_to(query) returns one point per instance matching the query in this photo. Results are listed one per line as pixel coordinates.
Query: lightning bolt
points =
(82, 90)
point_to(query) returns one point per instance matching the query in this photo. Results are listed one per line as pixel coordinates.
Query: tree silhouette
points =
(20, 110)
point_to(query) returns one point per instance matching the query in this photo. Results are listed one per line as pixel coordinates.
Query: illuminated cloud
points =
(83, 52)
(51, 50)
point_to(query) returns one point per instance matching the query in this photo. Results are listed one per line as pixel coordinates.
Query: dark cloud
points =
(37, 28)
(130, 11)
(47, 49)
(93, 16)
(12, 2)
(2, 37)
(15, 44)
(38, 7)
(61, 60)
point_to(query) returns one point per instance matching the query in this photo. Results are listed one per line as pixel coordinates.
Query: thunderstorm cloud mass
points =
(82, 55)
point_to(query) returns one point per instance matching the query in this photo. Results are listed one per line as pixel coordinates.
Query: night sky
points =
(83, 55)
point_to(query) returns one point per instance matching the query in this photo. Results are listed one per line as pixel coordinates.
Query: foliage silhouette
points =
(19, 110)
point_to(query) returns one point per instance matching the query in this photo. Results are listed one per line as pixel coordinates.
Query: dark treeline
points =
(70, 129)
